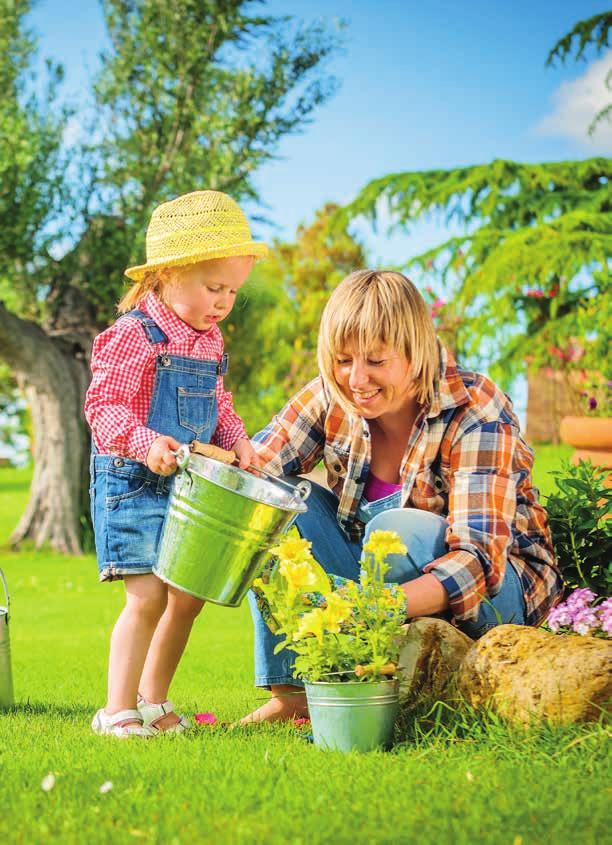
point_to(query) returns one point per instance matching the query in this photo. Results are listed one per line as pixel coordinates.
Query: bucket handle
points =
(8, 598)
(226, 456)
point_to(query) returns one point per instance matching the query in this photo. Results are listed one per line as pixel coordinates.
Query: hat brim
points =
(258, 250)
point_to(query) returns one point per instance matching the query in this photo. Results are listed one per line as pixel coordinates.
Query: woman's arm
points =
(293, 441)
(481, 512)
(424, 596)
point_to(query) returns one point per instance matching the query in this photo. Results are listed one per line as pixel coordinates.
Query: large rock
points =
(431, 652)
(525, 673)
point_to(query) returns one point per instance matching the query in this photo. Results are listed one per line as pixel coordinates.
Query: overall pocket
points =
(121, 487)
(195, 406)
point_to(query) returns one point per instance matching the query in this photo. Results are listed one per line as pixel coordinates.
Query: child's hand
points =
(160, 458)
(244, 452)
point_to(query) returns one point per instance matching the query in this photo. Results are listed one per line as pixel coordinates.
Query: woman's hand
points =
(244, 452)
(160, 458)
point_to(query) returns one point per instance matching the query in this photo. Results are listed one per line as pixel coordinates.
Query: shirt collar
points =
(171, 324)
(449, 389)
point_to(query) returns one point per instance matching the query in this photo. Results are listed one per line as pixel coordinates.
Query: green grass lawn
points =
(470, 780)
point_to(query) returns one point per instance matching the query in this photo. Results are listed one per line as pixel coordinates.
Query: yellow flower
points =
(311, 623)
(299, 576)
(383, 543)
(293, 549)
(337, 611)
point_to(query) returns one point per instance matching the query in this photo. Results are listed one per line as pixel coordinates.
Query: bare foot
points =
(287, 702)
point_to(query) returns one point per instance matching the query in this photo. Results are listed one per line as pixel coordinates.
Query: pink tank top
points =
(376, 489)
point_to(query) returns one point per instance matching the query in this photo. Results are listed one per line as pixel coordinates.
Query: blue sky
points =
(422, 85)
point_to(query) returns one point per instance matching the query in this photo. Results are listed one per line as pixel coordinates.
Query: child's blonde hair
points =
(372, 307)
(153, 282)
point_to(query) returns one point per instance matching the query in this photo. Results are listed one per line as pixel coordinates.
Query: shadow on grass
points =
(54, 711)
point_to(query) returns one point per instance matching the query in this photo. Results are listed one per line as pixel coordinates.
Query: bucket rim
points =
(299, 507)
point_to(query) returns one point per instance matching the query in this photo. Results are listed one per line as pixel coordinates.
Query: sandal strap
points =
(116, 719)
(150, 713)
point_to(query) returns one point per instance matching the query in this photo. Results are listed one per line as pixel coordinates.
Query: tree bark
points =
(52, 370)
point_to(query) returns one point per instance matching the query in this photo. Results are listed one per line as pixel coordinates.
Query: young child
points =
(158, 382)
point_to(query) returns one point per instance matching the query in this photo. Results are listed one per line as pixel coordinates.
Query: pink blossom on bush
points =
(579, 615)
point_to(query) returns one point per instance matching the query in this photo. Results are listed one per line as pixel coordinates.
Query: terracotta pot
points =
(591, 437)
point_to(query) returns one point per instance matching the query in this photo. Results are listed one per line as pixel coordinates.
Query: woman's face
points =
(378, 384)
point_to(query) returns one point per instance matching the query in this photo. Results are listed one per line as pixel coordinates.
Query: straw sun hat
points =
(196, 227)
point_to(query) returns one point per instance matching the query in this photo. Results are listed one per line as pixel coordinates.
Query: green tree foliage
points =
(592, 32)
(272, 333)
(530, 270)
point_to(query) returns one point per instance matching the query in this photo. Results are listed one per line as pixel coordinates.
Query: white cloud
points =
(576, 103)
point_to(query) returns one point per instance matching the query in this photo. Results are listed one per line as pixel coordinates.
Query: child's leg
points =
(146, 598)
(166, 649)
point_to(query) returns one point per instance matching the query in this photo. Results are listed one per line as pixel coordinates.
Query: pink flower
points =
(205, 718)
(300, 722)
(580, 598)
(585, 621)
(559, 617)
(534, 293)
(574, 351)
(558, 353)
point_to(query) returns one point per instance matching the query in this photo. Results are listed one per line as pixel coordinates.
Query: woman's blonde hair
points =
(152, 282)
(374, 307)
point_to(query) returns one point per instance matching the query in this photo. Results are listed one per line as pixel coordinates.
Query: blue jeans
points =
(422, 532)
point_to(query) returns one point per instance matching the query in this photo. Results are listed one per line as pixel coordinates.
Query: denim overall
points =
(128, 501)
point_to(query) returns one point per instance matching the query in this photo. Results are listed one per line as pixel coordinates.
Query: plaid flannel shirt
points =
(465, 460)
(123, 375)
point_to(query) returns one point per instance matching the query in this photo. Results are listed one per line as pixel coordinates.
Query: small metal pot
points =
(354, 715)
(221, 523)
(6, 675)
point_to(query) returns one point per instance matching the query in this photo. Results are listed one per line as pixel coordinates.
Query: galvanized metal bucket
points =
(220, 526)
(353, 716)
(6, 675)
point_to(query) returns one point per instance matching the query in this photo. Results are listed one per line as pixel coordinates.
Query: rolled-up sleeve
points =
(481, 512)
(293, 441)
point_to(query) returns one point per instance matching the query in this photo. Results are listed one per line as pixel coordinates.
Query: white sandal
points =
(113, 724)
(152, 713)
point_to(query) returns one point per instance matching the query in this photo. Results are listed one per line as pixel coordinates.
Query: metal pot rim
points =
(194, 467)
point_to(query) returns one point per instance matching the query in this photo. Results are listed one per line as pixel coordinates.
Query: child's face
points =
(203, 294)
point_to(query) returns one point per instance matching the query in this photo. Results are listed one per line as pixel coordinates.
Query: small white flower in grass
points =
(48, 782)
(106, 786)
(469, 776)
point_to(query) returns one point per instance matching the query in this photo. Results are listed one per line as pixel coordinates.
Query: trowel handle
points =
(6, 590)
(214, 452)
(205, 449)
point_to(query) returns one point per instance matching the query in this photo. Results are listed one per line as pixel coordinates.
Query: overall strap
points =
(152, 330)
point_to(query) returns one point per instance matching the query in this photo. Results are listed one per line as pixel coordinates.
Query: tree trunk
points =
(52, 371)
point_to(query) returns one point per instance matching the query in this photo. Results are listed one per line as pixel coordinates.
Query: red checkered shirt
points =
(123, 366)
(465, 460)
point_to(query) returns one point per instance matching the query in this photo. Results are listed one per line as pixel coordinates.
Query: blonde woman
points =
(415, 444)
(158, 382)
